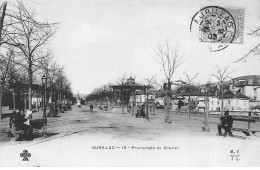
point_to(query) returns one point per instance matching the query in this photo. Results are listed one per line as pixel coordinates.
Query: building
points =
(231, 102)
(248, 86)
(37, 100)
(122, 94)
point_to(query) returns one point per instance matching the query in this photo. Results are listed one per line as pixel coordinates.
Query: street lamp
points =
(51, 105)
(44, 83)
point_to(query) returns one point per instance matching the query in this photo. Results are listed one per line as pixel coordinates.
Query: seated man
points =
(142, 113)
(18, 121)
(226, 124)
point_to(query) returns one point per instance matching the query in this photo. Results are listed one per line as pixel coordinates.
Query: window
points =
(218, 102)
(228, 101)
(212, 102)
(245, 103)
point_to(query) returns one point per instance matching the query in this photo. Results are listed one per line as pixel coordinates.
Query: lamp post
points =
(44, 83)
(51, 106)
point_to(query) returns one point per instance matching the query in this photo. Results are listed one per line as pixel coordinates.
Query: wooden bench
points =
(247, 131)
(38, 126)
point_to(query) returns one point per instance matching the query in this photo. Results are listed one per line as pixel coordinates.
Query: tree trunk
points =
(222, 95)
(55, 102)
(30, 87)
(37, 107)
(51, 107)
(154, 108)
(44, 104)
(122, 103)
(1, 96)
(132, 107)
(14, 100)
(167, 117)
(147, 112)
(206, 117)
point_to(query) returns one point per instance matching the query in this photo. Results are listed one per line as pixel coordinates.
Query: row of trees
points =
(25, 53)
(101, 94)
(105, 92)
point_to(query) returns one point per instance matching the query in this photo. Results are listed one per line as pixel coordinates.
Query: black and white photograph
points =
(129, 83)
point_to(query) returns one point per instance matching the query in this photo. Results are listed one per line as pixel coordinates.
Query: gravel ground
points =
(83, 138)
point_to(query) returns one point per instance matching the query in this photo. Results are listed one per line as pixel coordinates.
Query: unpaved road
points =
(83, 138)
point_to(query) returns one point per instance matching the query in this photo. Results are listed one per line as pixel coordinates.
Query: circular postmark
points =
(215, 25)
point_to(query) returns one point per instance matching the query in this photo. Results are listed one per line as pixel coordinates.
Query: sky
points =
(98, 41)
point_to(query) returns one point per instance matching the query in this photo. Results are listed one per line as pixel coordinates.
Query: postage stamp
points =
(219, 26)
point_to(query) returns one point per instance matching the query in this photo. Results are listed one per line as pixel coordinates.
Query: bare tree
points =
(170, 59)
(151, 84)
(50, 68)
(29, 37)
(205, 122)
(222, 75)
(190, 83)
(256, 49)
(59, 83)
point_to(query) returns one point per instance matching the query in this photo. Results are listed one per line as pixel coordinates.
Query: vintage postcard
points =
(129, 83)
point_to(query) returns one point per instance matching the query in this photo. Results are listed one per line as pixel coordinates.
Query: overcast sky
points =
(97, 41)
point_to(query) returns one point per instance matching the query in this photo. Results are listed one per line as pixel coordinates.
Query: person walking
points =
(91, 107)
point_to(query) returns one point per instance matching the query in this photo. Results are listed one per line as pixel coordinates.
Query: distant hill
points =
(255, 77)
(248, 77)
